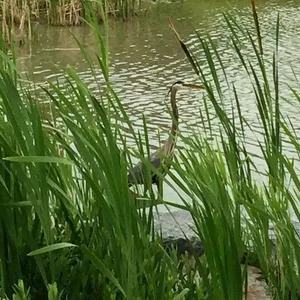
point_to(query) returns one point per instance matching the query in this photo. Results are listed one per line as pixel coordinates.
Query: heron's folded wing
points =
(136, 174)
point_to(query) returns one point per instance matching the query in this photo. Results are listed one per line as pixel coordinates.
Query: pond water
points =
(145, 59)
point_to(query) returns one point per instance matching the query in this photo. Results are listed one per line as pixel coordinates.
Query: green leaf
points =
(16, 204)
(39, 159)
(51, 248)
(181, 294)
(105, 271)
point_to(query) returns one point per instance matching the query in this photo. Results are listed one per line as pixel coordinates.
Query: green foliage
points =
(69, 227)
(231, 210)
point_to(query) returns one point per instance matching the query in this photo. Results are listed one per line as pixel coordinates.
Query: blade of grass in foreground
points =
(38, 159)
(50, 248)
(264, 204)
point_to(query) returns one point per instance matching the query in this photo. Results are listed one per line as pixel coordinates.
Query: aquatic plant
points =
(69, 227)
(19, 16)
(232, 211)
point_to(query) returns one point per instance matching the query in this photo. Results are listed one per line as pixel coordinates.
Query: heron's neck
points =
(175, 117)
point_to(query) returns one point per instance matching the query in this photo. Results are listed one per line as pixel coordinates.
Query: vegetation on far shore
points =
(18, 16)
(69, 228)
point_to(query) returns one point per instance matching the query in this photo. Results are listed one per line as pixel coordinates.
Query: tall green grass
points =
(231, 210)
(73, 198)
(69, 225)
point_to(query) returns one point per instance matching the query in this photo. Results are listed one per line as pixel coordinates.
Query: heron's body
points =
(158, 159)
(137, 174)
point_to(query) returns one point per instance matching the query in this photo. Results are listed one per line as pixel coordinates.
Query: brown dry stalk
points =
(5, 29)
(174, 30)
(184, 47)
(255, 16)
(21, 13)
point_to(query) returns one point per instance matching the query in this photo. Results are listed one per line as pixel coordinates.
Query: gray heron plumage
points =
(136, 174)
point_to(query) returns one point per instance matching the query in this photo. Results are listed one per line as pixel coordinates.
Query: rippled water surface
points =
(145, 59)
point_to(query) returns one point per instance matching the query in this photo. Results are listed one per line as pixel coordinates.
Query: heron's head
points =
(180, 85)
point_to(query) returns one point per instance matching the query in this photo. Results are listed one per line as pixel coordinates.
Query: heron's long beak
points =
(193, 86)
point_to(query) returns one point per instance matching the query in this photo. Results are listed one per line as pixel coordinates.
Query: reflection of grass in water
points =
(65, 200)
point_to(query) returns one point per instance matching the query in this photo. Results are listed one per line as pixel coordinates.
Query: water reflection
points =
(145, 59)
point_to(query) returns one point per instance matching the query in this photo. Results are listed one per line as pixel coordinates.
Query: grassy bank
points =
(69, 227)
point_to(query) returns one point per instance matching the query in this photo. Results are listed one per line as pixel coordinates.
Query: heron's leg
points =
(147, 187)
(147, 180)
(159, 184)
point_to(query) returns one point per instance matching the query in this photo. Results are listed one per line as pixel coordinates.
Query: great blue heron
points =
(137, 173)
